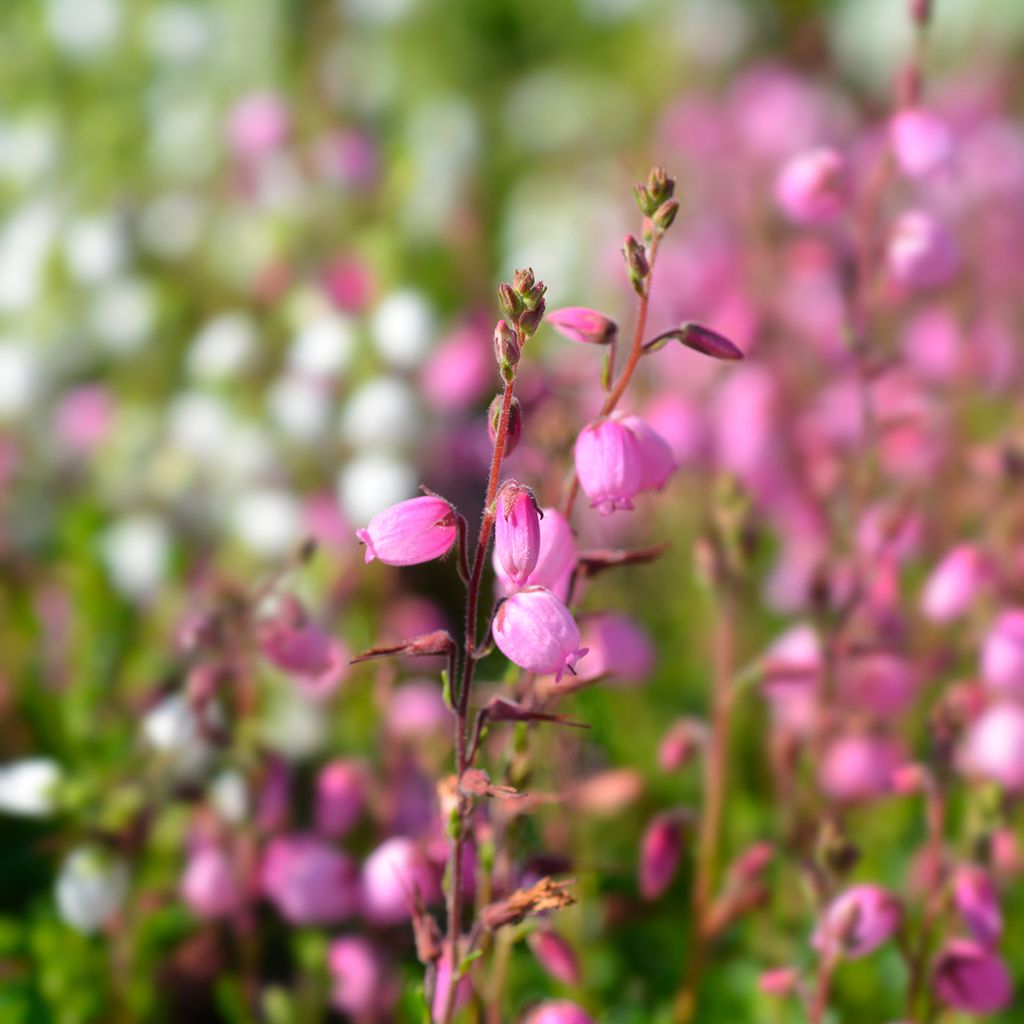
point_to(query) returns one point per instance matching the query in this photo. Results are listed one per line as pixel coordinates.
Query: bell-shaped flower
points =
(609, 464)
(971, 978)
(857, 922)
(517, 532)
(535, 631)
(413, 531)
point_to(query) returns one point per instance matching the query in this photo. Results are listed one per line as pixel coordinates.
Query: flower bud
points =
(210, 886)
(920, 141)
(411, 532)
(660, 186)
(517, 531)
(506, 350)
(921, 11)
(680, 743)
(660, 853)
(976, 900)
(813, 187)
(531, 319)
(577, 323)
(993, 748)
(509, 303)
(1002, 655)
(389, 875)
(556, 956)
(535, 631)
(637, 266)
(513, 427)
(921, 253)
(664, 215)
(340, 796)
(309, 881)
(523, 283)
(781, 981)
(609, 464)
(559, 1011)
(971, 978)
(857, 922)
(955, 584)
(555, 560)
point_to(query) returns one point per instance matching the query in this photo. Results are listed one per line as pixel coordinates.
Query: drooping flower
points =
(993, 747)
(309, 881)
(976, 900)
(859, 767)
(210, 885)
(413, 531)
(1002, 654)
(920, 140)
(535, 631)
(556, 956)
(813, 186)
(609, 464)
(657, 463)
(971, 978)
(857, 922)
(313, 658)
(577, 323)
(517, 532)
(555, 559)
(390, 874)
(921, 252)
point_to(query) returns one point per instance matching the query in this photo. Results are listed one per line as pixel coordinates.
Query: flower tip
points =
(363, 537)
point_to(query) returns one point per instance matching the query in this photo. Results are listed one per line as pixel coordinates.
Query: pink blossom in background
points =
(921, 141)
(325, 524)
(933, 344)
(813, 187)
(349, 159)
(993, 747)
(977, 901)
(971, 978)
(210, 885)
(309, 881)
(534, 630)
(84, 417)
(681, 424)
(340, 797)
(460, 370)
(315, 661)
(781, 981)
(657, 462)
(880, 683)
(463, 989)
(359, 986)
(1002, 654)
(859, 766)
(556, 956)
(858, 921)
(559, 1012)
(349, 283)
(660, 852)
(921, 252)
(580, 324)
(416, 711)
(956, 583)
(258, 124)
(389, 875)
(617, 647)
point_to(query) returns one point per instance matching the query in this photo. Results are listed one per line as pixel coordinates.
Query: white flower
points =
(229, 795)
(136, 550)
(300, 407)
(27, 787)
(178, 33)
(83, 28)
(403, 328)
(372, 482)
(20, 378)
(324, 346)
(381, 413)
(95, 248)
(173, 730)
(294, 726)
(267, 521)
(25, 242)
(171, 224)
(223, 347)
(123, 315)
(90, 889)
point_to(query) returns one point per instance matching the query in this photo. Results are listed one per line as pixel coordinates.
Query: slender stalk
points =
(712, 809)
(819, 1002)
(635, 352)
(462, 700)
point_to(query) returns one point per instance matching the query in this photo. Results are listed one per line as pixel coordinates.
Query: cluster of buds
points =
(522, 302)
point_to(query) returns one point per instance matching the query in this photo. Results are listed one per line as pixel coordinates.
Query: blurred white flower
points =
(382, 413)
(171, 224)
(403, 328)
(90, 889)
(230, 796)
(123, 315)
(372, 482)
(185, 136)
(173, 730)
(21, 377)
(223, 347)
(712, 32)
(95, 248)
(25, 243)
(83, 28)
(179, 33)
(27, 787)
(28, 149)
(323, 346)
(294, 726)
(380, 12)
(269, 522)
(300, 407)
(135, 551)
(198, 424)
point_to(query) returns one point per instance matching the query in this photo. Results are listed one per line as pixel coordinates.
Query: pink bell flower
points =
(921, 253)
(971, 978)
(657, 463)
(517, 532)
(920, 141)
(616, 647)
(993, 747)
(660, 852)
(358, 983)
(1002, 654)
(390, 874)
(309, 881)
(813, 187)
(609, 464)
(976, 900)
(315, 660)
(259, 124)
(556, 956)
(559, 1011)
(340, 797)
(857, 922)
(411, 532)
(535, 631)
(955, 584)
(577, 323)
(556, 558)
(210, 886)
(859, 767)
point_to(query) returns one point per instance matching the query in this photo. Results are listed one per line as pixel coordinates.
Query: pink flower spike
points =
(971, 978)
(921, 141)
(577, 323)
(535, 631)
(609, 464)
(411, 532)
(857, 922)
(976, 900)
(517, 531)
(813, 186)
(657, 463)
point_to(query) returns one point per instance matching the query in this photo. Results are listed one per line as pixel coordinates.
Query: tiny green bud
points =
(665, 214)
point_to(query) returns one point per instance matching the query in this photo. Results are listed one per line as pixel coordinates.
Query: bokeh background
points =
(248, 251)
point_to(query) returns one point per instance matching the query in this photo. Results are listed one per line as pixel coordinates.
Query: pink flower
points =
(210, 886)
(459, 370)
(357, 977)
(921, 141)
(556, 956)
(578, 323)
(660, 852)
(976, 899)
(389, 875)
(411, 532)
(340, 796)
(559, 1011)
(971, 978)
(921, 252)
(1002, 654)
(780, 981)
(857, 922)
(535, 631)
(657, 463)
(417, 711)
(463, 990)
(616, 647)
(309, 881)
(517, 532)
(259, 124)
(84, 417)
(878, 682)
(316, 661)
(556, 558)
(993, 747)
(812, 187)
(859, 767)
(955, 584)
(609, 464)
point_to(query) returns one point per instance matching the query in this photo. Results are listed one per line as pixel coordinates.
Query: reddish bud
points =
(514, 427)
(976, 900)
(637, 266)
(413, 531)
(660, 853)
(517, 531)
(556, 956)
(577, 323)
(506, 350)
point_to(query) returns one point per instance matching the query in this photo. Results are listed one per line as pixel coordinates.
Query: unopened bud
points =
(921, 11)
(506, 350)
(643, 199)
(509, 302)
(523, 282)
(531, 318)
(665, 214)
(636, 263)
(660, 186)
(514, 428)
